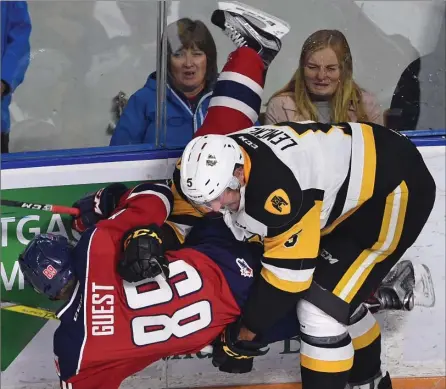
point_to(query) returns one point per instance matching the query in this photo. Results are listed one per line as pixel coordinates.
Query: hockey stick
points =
(41, 207)
(27, 310)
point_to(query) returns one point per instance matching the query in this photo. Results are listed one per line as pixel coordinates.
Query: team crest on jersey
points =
(211, 160)
(278, 203)
(245, 269)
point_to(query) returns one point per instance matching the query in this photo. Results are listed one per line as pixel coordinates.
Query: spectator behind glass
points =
(15, 31)
(192, 72)
(322, 89)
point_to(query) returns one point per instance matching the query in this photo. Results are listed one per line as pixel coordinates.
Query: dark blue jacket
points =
(138, 121)
(15, 31)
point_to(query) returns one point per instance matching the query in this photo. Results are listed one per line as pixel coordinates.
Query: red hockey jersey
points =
(111, 329)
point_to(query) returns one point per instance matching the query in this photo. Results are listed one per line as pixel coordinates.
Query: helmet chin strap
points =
(242, 198)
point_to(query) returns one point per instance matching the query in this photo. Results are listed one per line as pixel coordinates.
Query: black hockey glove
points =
(97, 206)
(143, 254)
(235, 356)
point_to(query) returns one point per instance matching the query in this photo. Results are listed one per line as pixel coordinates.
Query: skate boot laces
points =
(234, 35)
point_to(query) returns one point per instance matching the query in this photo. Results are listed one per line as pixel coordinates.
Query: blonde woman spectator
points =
(322, 88)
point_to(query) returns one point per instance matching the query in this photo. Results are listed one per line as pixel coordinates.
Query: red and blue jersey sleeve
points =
(144, 204)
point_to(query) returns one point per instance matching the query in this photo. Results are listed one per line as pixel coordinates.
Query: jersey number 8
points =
(185, 321)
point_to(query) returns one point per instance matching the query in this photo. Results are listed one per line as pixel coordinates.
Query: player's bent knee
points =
(315, 322)
(326, 345)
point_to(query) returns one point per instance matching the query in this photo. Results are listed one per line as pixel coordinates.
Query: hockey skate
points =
(248, 26)
(378, 382)
(406, 286)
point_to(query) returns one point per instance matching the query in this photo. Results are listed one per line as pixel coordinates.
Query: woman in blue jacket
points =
(192, 72)
(15, 31)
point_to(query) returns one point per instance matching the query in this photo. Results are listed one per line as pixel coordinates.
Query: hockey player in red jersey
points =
(110, 328)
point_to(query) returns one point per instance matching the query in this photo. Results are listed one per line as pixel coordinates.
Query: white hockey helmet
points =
(207, 167)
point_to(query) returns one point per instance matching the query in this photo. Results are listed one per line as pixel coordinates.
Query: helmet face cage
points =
(46, 264)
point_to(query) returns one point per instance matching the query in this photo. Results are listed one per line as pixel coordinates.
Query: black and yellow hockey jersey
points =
(302, 180)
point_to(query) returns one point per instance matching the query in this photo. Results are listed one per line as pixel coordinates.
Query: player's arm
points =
(138, 219)
(143, 204)
(97, 206)
(136, 223)
(288, 264)
(140, 216)
(183, 216)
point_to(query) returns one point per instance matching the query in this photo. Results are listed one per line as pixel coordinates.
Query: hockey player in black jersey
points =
(336, 205)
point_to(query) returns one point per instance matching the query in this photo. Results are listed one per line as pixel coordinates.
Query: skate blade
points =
(424, 292)
(268, 23)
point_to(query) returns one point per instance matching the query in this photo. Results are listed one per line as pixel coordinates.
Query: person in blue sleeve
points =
(15, 31)
(192, 72)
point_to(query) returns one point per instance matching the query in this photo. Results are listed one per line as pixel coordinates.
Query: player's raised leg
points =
(237, 96)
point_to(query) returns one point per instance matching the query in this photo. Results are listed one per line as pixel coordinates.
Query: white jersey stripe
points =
(164, 199)
(229, 102)
(386, 247)
(241, 79)
(362, 326)
(68, 305)
(357, 168)
(327, 354)
(288, 274)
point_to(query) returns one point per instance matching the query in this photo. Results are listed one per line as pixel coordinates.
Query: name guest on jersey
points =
(103, 310)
